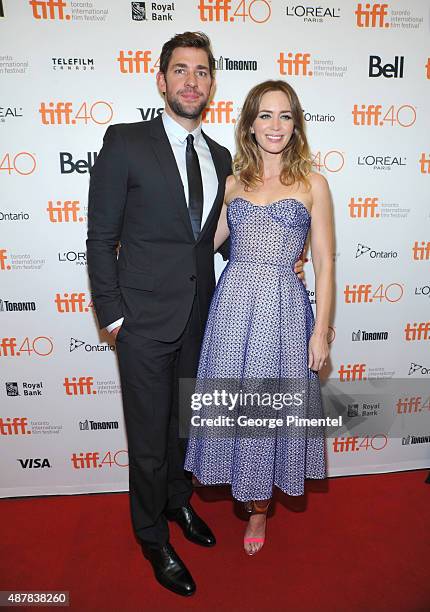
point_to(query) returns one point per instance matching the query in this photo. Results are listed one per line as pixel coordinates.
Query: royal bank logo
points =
(138, 11)
(12, 389)
(152, 11)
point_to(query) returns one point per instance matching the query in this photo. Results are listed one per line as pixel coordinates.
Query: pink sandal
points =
(256, 507)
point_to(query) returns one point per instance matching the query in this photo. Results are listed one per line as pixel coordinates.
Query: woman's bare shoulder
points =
(232, 185)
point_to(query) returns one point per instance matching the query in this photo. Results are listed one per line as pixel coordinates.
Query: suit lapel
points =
(219, 198)
(167, 161)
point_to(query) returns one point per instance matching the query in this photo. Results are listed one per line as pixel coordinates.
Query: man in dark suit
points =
(157, 189)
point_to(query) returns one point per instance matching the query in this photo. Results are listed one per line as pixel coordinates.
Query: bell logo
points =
(424, 164)
(81, 386)
(49, 9)
(75, 302)
(421, 252)
(64, 212)
(136, 62)
(390, 71)
(417, 331)
(352, 372)
(219, 112)
(14, 427)
(4, 265)
(294, 65)
(372, 16)
(363, 208)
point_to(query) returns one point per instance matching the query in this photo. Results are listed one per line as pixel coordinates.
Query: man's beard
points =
(178, 108)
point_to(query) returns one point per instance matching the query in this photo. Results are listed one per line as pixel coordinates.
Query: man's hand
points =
(298, 269)
(115, 331)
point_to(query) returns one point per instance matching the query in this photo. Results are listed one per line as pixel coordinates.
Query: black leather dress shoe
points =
(194, 528)
(169, 569)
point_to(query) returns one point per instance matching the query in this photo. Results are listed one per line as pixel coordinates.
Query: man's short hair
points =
(198, 40)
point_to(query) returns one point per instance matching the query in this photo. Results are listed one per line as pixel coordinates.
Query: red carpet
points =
(351, 543)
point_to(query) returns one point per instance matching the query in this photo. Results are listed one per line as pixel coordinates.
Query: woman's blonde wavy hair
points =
(296, 157)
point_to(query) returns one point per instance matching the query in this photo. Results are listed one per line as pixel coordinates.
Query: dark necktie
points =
(195, 187)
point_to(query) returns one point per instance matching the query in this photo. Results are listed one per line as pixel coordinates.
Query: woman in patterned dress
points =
(261, 333)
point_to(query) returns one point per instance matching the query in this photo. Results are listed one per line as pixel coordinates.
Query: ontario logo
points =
(89, 348)
(363, 249)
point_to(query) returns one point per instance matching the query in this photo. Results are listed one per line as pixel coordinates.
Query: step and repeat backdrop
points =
(71, 68)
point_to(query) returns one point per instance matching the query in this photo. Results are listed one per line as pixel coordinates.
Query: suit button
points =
(192, 278)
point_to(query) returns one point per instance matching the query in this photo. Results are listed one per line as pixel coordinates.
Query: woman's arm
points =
(322, 248)
(222, 230)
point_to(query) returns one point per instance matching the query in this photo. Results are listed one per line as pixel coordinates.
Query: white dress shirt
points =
(177, 136)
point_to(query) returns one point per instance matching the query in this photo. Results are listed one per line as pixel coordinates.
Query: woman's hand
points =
(318, 352)
(298, 269)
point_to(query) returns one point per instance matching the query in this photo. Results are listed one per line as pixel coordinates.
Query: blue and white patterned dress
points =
(259, 325)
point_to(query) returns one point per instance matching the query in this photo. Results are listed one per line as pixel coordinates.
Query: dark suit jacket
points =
(136, 197)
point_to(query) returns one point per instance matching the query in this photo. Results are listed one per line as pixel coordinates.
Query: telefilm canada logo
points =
(73, 63)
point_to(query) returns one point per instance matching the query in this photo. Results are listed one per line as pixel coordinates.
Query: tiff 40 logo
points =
(62, 113)
(95, 459)
(374, 115)
(40, 346)
(331, 161)
(72, 302)
(22, 163)
(137, 62)
(257, 11)
(366, 294)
